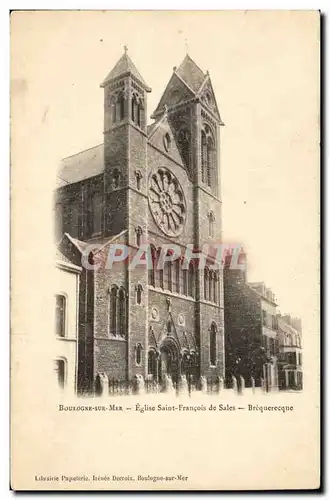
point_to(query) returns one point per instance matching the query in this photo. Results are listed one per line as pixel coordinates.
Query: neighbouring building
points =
(290, 352)
(269, 333)
(160, 184)
(66, 323)
(251, 345)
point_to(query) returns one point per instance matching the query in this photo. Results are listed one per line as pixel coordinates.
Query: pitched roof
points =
(61, 257)
(125, 66)
(191, 73)
(80, 245)
(81, 166)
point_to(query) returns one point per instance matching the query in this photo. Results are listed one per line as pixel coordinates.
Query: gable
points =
(176, 91)
(208, 99)
(70, 250)
(159, 138)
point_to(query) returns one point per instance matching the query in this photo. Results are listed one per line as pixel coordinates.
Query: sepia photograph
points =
(170, 193)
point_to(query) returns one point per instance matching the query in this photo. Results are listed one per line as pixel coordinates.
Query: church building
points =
(159, 184)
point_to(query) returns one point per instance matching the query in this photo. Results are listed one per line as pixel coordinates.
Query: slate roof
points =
(80, 166)
(124, 66)
(60, 257)
(191, 73)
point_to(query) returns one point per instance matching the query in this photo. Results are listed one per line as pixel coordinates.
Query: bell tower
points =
(125, 192)
(125, 124)
(194, 116)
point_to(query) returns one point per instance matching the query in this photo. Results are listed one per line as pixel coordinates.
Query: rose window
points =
(166, 201)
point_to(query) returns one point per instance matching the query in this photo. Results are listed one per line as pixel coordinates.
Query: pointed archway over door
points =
(169, 359)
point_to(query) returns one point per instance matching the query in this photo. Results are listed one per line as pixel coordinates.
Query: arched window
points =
(122, 312)
(211, 218)
(60, 315)
(191, 280)
(209, 161)
(138, 354)
(120, 107)
(113, 310)
(139, 120)
(152, 364)
(168, 276)
(211, 280)
(215, 288)
(139, 290)
(206, 284)
(152, 264)
(115, 178)
(60, 367)
(213, 345)
(113, 110)
(207, 150)
(204, 156)
(185, 281)
(159, 273)
(138, 176)
(176, 276)
(184, 144)
(134, 109)
(139, 232)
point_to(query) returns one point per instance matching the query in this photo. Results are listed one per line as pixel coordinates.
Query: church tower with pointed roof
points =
(125, 126)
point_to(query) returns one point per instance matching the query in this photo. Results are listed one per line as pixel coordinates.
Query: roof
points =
(125, 66)
(61, 257)
(191, 74)
(80, 245)
(81, 166)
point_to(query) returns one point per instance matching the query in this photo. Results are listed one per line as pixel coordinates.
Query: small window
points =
(122, 312)
(113, 310)
(167, 141)
(264, 317)
(60, 370)
(185, 281)
(115, 178)
(60, 314)
(138, 354)
(151, 270)
(139, 290)
(176, 276)
(138, 236)
(113, 109)
(138, 176)
(211, 218)
(167, 274)
(213, 345)
(191, 280)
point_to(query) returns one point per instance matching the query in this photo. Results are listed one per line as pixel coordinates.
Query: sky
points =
(264, 70)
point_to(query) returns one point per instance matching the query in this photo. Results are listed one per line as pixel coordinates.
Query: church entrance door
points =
(169, 360)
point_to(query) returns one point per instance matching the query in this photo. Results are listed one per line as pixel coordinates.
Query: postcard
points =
(165, 314)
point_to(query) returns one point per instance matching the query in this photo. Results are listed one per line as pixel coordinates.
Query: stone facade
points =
(156, 184)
